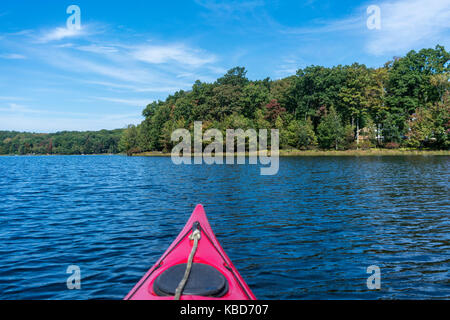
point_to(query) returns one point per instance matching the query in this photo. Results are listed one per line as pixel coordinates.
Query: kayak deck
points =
(209, 260)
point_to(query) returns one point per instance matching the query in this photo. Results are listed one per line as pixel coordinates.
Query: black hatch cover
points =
(204, 280)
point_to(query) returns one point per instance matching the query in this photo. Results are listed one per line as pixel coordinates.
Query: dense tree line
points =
(404, 103)
(70, 143)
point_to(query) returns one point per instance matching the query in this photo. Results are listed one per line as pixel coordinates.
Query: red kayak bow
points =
(210, 275)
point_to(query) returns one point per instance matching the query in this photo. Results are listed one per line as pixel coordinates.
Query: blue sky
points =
(130, 53)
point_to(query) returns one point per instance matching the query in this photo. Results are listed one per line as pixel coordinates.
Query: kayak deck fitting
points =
(195, 267)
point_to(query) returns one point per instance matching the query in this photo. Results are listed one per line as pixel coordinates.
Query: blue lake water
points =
(309, 232)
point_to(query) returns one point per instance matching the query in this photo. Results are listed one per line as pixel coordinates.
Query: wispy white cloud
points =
(65, 45)
(158, 54)
(93, 48)
(59, 34)
(12, 98)
(320, 26)
(21, 32)
(136, 88)
(154, 68)
(131, 102)
(17, 33)
(82, 65)
(97, 68)
(12, 56)
(185, 75)
(17, 108)
(406, 24)
(289, 64)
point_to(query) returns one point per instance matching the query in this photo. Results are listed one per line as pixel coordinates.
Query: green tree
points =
(410, 86)
(166, 133)
(441, 116)
(420, 128)
(129, 140)
(300, 134)
(254, 96)
(353, 99)
(234, 77)
(430, 127)
(316, 87)
(282, 90)
(330, 132)
(391, 131)
(260, 120)
(226, 100)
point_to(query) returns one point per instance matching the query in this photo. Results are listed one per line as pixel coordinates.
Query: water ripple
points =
(309, 232)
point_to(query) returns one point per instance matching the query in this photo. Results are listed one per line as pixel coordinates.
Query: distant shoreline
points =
(66, 155)
(282, 153)
(314, 153)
